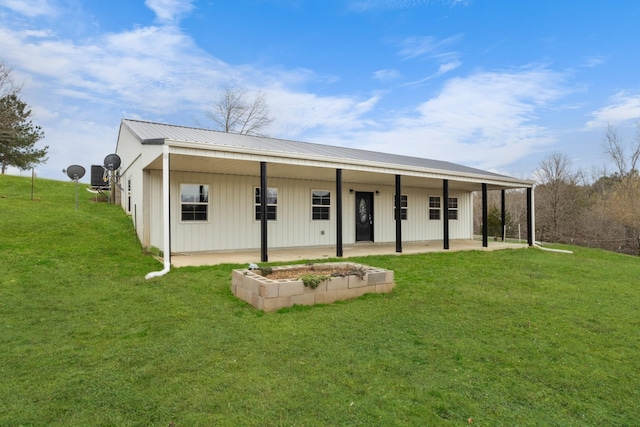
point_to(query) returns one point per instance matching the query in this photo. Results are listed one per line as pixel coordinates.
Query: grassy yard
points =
(516, 337)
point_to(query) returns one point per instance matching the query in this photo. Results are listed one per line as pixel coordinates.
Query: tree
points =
(7, 85)
(18, 135)
(494, 221)
(559, 198)
(615, 150)
(235, 113)
(624, 203)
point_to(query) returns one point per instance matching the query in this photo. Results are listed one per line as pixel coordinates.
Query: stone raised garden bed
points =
(273, 288)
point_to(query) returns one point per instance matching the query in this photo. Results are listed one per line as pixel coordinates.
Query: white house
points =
(198, 190)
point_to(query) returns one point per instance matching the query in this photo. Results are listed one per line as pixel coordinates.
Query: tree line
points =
(597, 208)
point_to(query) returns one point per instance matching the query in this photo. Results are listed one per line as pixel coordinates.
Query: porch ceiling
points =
(189, 163)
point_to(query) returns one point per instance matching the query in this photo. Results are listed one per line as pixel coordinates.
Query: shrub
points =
(313, 280)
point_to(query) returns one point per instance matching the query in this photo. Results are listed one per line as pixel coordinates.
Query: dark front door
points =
(364, 217)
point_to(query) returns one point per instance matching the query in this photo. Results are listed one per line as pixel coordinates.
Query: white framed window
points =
(404, 203)
(434, 207)
(320, 205)
(194, 202)
(272, 204)
(453, 208)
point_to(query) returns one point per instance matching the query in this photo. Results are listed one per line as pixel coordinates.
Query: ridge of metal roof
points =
(155, 133)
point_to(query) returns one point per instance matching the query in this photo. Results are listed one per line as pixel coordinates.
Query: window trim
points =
(257, 204)
(454, 210)
(321, 206)
(206, 204)
(404, 207)
(434, 209)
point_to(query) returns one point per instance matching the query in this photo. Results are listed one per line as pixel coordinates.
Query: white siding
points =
(231, 222)
(154, 187)
(133, 161)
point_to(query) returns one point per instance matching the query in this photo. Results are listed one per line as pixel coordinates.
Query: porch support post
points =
(339, 213)
(503, 209)
(530, 236)
(398, 213)
(264, 257)
(445, 213)
(485, 217)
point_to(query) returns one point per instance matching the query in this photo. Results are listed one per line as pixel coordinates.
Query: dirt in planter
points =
(295, 273)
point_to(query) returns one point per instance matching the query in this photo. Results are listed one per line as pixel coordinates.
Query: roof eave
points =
(501, 179)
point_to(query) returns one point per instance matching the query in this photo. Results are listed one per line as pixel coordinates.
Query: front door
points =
(364, 217)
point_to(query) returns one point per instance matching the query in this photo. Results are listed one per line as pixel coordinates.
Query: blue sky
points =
(493, 84)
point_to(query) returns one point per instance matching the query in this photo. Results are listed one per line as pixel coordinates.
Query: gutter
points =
(165, 214)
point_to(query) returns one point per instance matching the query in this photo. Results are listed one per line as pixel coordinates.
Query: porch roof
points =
(204, 150)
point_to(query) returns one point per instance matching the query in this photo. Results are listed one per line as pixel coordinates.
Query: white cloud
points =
(413, 47)
(385, 76)
(623, 107)
(169, 11)
(143, 68)
(306, 113)
(593, 61)
(431, 48)
(446, 67)
(32, 8)
(487, 120)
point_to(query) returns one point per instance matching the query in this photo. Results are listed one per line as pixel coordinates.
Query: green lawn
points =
(518, 337)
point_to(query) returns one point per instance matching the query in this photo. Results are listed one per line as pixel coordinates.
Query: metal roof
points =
(156, 133)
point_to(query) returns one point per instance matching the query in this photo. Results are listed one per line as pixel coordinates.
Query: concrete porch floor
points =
(325, 252)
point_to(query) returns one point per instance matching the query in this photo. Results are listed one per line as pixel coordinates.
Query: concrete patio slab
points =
(326, 252)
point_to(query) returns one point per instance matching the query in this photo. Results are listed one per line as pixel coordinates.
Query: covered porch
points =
(346, 177)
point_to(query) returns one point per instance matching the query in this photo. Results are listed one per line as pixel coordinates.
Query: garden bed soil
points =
(295, 273)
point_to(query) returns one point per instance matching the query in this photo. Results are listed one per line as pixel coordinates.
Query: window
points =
(403, 206)
(194, 202)
(320, 205)
(453, 208)
(434, 207)
(272, 204)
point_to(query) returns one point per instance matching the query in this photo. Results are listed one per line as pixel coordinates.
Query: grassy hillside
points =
(520, 337)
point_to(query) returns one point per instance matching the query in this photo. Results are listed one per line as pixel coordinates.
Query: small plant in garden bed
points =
(313, 280)
(265, 271)
(359, 272)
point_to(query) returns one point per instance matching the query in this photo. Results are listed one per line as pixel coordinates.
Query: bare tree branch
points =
(7, 85)
(614, 149)
(556, 169)
(558, 197)
(233, 113)
(636, 149)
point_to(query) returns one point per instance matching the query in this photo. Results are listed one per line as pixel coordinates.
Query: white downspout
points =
(533, 220)
(533, 212)
(165, 216)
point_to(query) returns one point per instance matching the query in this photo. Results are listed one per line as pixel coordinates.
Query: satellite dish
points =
(112, 162)
(75, 172)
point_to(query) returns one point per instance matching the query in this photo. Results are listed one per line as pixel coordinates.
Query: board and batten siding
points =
(231, 223)
(131, 169)
(417, 227)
